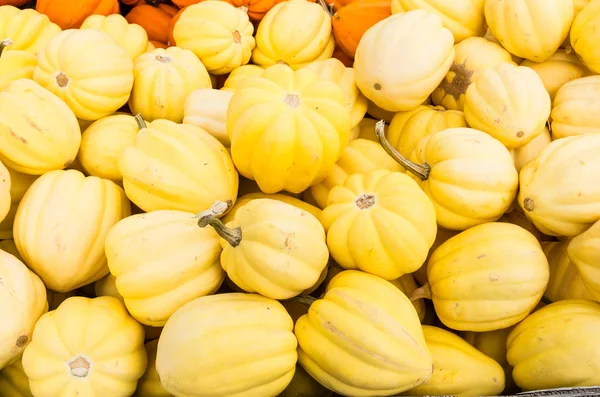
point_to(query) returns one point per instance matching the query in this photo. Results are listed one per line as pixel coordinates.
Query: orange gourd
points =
(256, 9)
(158, 44)
(352, 21)
(337, 4)
(154, 20)
(15, 3)
(67, 15)
(341, 56)
(172, 26)
(185, 3)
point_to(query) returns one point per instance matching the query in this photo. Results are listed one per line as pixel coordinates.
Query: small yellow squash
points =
(576, 108)
(516, 216)
(218, 33)
(302, 130)
(38, 131)
(131, 37)
(15, 65)
(508, 102)
(86, 347)
(107, 286)
(88, 70)
(18, 183)
(207, 108)
(584, 252)
(373, 316)
(530, 29)
(402, 59)
(565, 280)
(177, 167)
(28, 29)
(65, 246)
(149, 384)
(529, 152)
(585, 35)
(13, 381)
(218, 358)
(239, 74)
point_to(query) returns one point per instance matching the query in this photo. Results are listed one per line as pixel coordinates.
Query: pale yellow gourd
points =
(149, 384)
(576, 108)
(584, 252)
(15, 65)
(131, 37)
(238, 75)
(207, 109)
(28, 29)
(529, 152)
(565, 280)
(107, 286)
(584, 35)
(13, 381)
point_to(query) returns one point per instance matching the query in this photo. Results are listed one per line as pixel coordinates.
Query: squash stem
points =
(4, 43)
(421, 293)
(327, 7)
(140, 121)
(306, 300)
(420, 170)
(210, 217)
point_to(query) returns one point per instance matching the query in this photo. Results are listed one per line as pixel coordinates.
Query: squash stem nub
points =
(210, 217)
(140, 121)
(5, 43)
(421, 293)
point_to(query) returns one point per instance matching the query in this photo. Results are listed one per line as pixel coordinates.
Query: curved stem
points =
(4, 43)
(140, 121)
(327, 7)
(210, 217)
(420, 293)
(306, 300)
(421, 171)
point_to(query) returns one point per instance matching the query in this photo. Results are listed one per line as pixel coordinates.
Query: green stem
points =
(304, 299)
(140, 121)
(4, 43)
(210, 217)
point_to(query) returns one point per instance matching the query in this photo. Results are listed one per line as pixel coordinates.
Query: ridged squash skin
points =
(5, 189)
(294, 33)
(391, 67)
(19, 183)
(28, 29)
(218, 33)
(303, 128)
(379, 222)
(375, 317)
(86, 347)
(488, 277)
(22, 302)
(530, 29)
(565, 280)
(199, 358)
(177, 167)
(88, 70)
(569, 163)
(207, 108)
(130, 36)
(149, 384)
(584, 35)
(238, 75)
(584, 252)
(163, 79)
(38, 131)
(508, 102)
(13, 381)
(463, 18)
(65, 246)
(576, 108)
(15, 65)
(529, 152)
(553, 347)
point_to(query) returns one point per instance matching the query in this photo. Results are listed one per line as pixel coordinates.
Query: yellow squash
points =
(88, 70)
(530, 29)
(13, 381)
(302, 130)
(65, 246)
(218, 33)
(408, 285)
(5, 192)
(15, 65)
(28, 29)
(218, 358)
(380, 222)
(176, 167)
(554, 347)
(420, 275)
(576, 108)
(529, 152)
(565, 280)
(149, 384)
(381, 114)
(9, 246)
(508, 102)
(38, 131)
(270, 247)
(207, 108)
(516, 216)
(22, 302)
(383, 349)
(86, 347)
(366, 130)
(584, 253)
(556, 188)
(490, 37)
(238, 75)
(107, 286)
(392, 67)
(56, 298)
(585, 34)
(488, 277)
(131, 37)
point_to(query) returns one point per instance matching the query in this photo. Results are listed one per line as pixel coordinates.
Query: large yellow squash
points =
(565, 280)
(584, 35)
(132, 37)
(19, 183)
(402, 59)
(380, 222)
(218, 33)
(270, 247)
(207, 108)
(218, 358)
(576, 108)
(149, 384)
(88, 70)
(177, 167)
(38, 132)
(65, 245)
(508, 102)
(556, 189)
(530, 29)
(13, 381)
(86, 347)
(468, 175)
(383, 350)
(488, 277)
(15, 65)
(584, 253)
(28, 29)
(22, 302)
(463, 18)
(302, 130)
(554, 347)
(163, 79)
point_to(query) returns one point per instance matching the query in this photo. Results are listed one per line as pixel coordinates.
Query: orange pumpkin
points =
(171, 26)
(154, 20)
(69, 16)
(16, 3)
(352, 21)
(341, 56)
(185, 3)
(158, 44)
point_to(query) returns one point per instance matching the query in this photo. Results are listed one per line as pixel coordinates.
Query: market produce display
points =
(299, 198)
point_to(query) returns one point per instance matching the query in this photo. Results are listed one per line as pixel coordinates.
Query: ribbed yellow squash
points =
(556, 191)
(19, 183)
(88, 70)
(576, 108)
(13, 381)
(302, 130)
(488, 277)
(508, 102)
(86, 347)
(530, 29)
(584, 253)
(463, 18)
(392, 67)
(218, 33)
(442, 235)
(218, 358)
(379, 222)
(207, 108)
(131, 37)
(239, 74)
(374, 316)
(553, 347)
(5, 196)
(149, 384)
(584, 35)
(366, 130)
(529, 152)
(177, 167)
(65, 246)
(107, 286)
(38, 131)
(15, 65)
(22, 302)
(28, 29)
(565, 280)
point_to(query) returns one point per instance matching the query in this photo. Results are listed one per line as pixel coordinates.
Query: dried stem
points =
(5, 43)
(210, 217)
(140, 121)
(423, 292)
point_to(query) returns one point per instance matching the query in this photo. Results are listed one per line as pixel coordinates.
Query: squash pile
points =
(299, 198)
